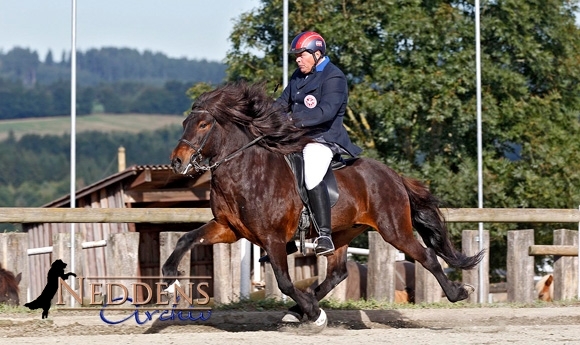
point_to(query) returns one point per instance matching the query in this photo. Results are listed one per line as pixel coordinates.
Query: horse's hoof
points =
(171, 288)
(468, 288)
(290, 318)
(322, 320)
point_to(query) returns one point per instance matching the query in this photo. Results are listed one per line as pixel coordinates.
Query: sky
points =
(194, 29)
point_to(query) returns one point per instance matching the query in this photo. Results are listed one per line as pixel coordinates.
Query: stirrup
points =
(323, 251)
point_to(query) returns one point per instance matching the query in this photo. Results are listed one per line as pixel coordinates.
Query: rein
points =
(193, 161)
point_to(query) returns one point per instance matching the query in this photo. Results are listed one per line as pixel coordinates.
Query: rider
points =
(316, 98)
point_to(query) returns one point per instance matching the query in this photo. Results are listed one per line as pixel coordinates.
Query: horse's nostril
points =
(176, 163)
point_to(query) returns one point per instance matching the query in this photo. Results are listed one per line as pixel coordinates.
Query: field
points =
(99, 122)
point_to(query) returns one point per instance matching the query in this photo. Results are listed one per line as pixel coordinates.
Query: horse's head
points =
(9, 287)
(195, 144)
(545, 288)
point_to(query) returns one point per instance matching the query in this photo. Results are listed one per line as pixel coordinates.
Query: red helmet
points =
(309, 41)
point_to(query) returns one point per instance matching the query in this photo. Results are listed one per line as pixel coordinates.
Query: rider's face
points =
(305, 61)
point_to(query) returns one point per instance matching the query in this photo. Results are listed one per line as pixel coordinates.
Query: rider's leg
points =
(317, 158)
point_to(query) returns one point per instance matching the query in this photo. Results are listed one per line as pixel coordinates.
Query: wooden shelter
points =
(142, 186)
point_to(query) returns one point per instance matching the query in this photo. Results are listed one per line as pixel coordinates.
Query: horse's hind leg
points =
(404, 240)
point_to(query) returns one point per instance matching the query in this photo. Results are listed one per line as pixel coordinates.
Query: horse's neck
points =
(252, 168)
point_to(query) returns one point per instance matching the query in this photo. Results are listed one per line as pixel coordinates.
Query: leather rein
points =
(196, 157)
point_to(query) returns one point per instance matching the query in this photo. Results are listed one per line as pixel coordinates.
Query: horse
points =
(238, 133)
(545, 288)
(9, 287)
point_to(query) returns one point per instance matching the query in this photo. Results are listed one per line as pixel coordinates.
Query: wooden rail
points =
(560, 250)
(202, 215)
(511, 215)
(104, 215)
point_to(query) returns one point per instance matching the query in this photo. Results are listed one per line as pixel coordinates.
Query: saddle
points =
(296, 163)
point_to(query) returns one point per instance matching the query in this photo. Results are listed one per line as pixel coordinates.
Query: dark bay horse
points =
(9, 287)
(236, 132)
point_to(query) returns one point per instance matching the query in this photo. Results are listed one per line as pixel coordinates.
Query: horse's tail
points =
(430, 224)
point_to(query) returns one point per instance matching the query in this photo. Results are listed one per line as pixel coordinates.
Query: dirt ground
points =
(488, 325)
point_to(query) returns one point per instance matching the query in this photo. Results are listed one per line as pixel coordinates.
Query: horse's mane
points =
(251, 109)
(7, 281)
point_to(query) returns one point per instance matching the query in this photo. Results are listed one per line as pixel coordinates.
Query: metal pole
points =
(73, 113)
(285, 44)
(246, 262)
(479, 142)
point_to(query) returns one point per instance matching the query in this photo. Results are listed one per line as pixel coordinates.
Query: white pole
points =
(578, 258)
(256, 264)
(479, 143)
(73, 113)
(285, 44)
(245, 280)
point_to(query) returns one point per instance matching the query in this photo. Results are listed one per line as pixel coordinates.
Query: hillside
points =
(132, 123)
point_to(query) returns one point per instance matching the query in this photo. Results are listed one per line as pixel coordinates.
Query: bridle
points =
(196, 158)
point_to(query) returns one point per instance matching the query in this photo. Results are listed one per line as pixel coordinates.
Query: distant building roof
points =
(142, 182)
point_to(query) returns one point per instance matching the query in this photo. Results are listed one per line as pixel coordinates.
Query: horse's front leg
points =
(210, 233)
(306, 302)
(336, 272)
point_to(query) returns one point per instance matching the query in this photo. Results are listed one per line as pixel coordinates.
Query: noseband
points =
(196, 157)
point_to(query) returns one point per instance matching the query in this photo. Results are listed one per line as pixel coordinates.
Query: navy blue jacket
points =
(318, 101)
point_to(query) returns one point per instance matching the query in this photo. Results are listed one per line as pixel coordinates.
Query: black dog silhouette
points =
(43, 301)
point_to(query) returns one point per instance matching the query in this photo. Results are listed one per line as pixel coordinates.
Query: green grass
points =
(99, 122)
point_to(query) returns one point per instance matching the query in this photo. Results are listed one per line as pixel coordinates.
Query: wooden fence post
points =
(520, 266)
(271, 285)
(13, 257)
(470, 246)
(427, 289)
(167, 242)
(122, 253)
(61, 249)
(381, 269)
(565, 267)
(226, 272)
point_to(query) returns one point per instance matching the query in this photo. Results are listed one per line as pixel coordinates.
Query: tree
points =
(411, 72)
(23, 63)
(49, 60)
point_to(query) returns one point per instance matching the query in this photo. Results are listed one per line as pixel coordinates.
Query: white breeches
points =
(317, 158)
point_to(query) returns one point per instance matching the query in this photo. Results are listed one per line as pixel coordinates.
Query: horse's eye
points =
(203, 125)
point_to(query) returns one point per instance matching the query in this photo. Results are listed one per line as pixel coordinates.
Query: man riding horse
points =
(316, 98)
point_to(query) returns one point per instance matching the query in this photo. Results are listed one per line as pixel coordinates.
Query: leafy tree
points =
(411, 72)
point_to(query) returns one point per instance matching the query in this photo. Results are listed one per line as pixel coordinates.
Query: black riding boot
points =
(320, 206)
(290, 249)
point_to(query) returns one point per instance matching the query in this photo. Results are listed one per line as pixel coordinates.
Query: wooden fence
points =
(429, 289)
(190, 215)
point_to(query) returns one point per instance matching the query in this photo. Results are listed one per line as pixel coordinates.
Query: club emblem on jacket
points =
(310, 101)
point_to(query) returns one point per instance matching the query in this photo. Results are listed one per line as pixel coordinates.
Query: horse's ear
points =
(18, 277)
(549, 280)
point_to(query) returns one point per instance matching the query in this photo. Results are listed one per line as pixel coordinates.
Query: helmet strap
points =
(316, 59)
